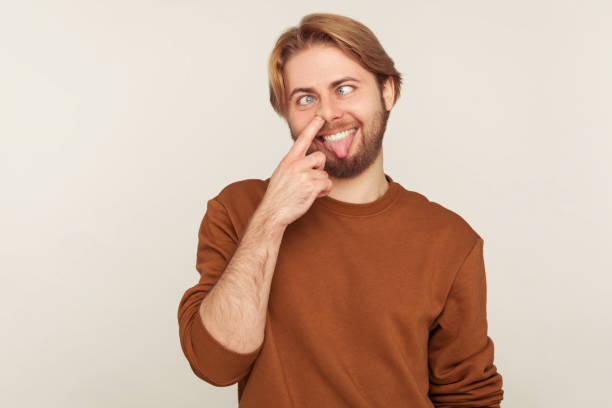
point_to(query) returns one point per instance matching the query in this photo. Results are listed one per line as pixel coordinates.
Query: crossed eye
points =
(300, 101)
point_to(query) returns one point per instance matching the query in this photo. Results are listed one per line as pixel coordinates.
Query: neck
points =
(365, 188)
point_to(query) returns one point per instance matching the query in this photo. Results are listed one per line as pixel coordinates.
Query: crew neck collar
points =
(360, 209)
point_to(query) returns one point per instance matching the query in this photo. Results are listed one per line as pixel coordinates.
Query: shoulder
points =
(242, 193)
(240, 199)
(440, 221)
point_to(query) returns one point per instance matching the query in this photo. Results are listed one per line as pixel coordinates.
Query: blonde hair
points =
(349, 35)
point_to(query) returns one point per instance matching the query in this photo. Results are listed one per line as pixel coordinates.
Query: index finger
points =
(304, 140)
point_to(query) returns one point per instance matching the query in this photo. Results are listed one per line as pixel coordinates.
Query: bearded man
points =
(329, 284)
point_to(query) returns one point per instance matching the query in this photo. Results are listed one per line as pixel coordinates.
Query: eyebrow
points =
(332, 85)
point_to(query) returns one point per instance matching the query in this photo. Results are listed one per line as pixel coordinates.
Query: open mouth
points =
(339, 135)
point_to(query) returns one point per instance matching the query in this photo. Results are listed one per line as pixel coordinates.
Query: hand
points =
(298, 179)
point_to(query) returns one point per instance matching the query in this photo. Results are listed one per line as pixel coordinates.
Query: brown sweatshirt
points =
(381, 304)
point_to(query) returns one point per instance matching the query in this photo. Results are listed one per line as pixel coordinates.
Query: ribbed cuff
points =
(221, 365)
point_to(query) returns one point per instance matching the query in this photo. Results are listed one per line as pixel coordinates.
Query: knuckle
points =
(292, 166)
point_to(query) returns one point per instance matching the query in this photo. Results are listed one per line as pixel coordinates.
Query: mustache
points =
(337, 129)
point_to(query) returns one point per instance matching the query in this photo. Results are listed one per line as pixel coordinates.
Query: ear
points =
(388, 92)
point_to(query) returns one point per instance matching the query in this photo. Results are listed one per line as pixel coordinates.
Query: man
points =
(329, 284)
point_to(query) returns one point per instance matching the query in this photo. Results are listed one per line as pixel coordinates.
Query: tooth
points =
(338, 135)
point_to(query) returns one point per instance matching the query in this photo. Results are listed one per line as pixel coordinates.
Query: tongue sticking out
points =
(340, 147)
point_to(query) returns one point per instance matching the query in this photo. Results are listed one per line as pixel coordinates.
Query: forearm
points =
(234, 311)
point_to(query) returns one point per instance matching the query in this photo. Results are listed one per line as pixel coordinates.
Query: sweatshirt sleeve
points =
(209, 359)
(461, 369)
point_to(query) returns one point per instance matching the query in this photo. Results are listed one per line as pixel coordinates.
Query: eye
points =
(299, 101)
(345, 86)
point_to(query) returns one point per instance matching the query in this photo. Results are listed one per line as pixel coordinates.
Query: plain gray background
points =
(120, 119)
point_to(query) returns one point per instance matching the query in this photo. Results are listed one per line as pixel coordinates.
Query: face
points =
(322, 80)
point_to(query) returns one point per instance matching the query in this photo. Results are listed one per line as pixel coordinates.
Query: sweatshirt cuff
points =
(219, 364)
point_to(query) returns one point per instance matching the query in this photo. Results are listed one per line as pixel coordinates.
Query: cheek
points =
(359, 110)
(367, 112)
(356, 115)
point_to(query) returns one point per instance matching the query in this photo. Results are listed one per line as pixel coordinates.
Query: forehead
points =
(318, 66)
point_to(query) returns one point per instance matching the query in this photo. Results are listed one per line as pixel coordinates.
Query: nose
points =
(329, 110)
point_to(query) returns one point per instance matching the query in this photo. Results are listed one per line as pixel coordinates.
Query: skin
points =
(358, 177)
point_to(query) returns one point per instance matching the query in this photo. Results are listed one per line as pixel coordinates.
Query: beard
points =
(366, 150)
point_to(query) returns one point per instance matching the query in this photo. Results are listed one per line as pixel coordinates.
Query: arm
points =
(222, 318)
(461, 369)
